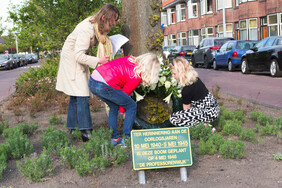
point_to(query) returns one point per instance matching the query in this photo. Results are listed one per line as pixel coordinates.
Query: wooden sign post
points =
(161, 148)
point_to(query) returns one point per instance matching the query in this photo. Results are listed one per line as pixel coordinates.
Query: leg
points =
(83, 114)
(72, 113)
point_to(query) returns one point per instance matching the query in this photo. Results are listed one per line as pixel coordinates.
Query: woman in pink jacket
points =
(113, 83)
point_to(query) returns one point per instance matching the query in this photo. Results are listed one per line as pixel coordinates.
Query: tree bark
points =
(137, 28)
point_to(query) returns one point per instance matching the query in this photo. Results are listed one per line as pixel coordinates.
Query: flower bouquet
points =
(154, 102)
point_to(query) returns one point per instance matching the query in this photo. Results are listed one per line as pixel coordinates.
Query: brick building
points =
(186, 22)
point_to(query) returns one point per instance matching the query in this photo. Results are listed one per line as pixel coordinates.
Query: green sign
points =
(161, 148)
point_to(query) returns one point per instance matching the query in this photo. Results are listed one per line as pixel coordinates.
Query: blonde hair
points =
(148, 67)
(185, 73)
(109, 11)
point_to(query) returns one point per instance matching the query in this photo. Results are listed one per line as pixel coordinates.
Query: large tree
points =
(46, 23)
(142, 26)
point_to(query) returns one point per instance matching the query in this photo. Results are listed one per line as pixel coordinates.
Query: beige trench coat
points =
(73, 73)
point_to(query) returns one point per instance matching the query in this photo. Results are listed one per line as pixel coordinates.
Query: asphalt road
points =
(259, 87)
(8, 79)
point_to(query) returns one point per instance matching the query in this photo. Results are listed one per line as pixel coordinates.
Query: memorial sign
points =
(161, 148)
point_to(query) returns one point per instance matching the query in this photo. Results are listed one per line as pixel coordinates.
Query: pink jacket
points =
(119, 74)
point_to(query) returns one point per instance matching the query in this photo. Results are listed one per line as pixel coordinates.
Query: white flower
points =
(173, 81)
(138, 96)
(167, 84)
(153, 87)
(167, 99)
(162, 79)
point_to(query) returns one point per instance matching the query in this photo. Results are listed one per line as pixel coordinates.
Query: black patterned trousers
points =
(205, 110)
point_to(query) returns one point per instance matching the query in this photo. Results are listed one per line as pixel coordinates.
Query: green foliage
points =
(278, 123)
(70, 155)
(3, 165)
(4, 126)
(24, 128)
(232, 149)
(54, 140)
(55, 120)
(76, 135)
(248, 135)
(207, 147)
(155, 41)
(235, 115)
(261, 118)
(18, 145)
(4, 149)
(268, 130)
(232, 127)
(36, 168)
(46, 24)
(277, 157)
(212, 145)
(200, 132)
(84, 166)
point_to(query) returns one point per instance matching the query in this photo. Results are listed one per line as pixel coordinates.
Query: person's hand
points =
(123, 115)
(104, 60)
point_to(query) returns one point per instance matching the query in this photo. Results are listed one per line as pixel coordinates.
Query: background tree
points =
(141, 24)
(47, 23)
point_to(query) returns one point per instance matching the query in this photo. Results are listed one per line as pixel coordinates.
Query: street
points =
(8, 79)
(261, 88)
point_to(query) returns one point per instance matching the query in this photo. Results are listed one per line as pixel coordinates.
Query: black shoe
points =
(86, 134)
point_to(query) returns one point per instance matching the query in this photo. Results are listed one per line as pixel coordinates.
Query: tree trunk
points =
(137, 27)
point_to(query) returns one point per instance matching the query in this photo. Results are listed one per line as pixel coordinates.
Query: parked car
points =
(6, 62)
(18, 60)
(230, 53)
(35, 57)
(166, 51)
(31, 58)
(205, 51)
(23, 59)
(266, 55)
(181, 51)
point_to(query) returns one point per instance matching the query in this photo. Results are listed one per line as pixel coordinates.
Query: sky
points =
(4, 4)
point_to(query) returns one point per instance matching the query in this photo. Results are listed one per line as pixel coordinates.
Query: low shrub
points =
(248, 135)
(4, 126)
(232, 149)
(37, 168)
(18, 145)
(278, 123)
(232, 127)
(3, 165)
(24, 128)
(54, 140)
(55, 119)
(70, 155)
(268, 130)
(200, 131)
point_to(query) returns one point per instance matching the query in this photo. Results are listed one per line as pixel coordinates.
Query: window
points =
(181, 39)
(253, 29)
(223, 47)
(171, 16)
(269, 42)
(207, 32)
(228, 30)
(172, 40)
(237, 3)
(193, 37)
(164, 18)
(248, 29)
(272, 25)
(229, 46)
(219, 4)
(206, 6)
(180, 12)
(244, 1)
(192, 9)
(261, 43)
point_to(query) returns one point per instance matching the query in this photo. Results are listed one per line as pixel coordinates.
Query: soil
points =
(256, 169)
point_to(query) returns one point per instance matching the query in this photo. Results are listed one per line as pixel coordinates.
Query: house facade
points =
(186, 22)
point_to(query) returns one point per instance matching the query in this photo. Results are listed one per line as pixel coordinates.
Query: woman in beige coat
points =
(73, 73)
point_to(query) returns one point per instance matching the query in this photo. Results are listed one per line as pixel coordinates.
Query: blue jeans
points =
(115, 98)
(79, 113)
